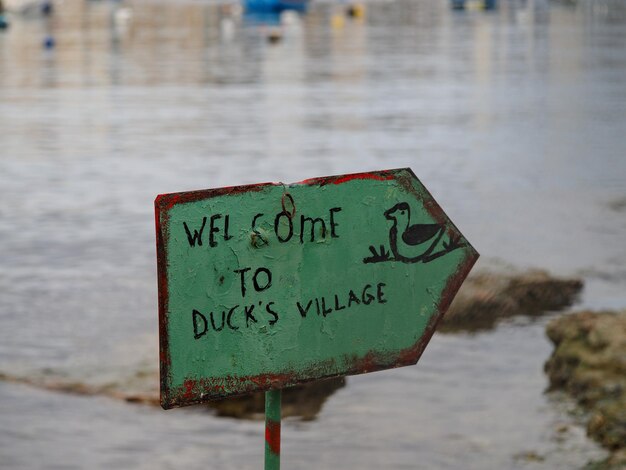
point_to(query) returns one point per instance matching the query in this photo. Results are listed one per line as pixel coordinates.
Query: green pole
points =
(272, 430)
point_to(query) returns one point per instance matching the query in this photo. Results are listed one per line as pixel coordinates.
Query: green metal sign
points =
(271, 285)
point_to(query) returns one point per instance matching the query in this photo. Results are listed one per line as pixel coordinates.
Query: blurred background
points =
(512, 113)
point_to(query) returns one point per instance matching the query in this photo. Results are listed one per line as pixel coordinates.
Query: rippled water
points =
(514, 120)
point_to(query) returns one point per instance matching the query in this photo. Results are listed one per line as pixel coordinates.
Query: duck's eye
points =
(402, 212)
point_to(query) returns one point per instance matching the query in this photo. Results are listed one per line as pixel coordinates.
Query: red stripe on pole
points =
(272, 436)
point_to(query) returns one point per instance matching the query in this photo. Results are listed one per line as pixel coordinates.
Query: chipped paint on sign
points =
(270, 285)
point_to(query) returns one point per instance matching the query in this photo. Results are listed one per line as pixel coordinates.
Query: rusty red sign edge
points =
(199, 391)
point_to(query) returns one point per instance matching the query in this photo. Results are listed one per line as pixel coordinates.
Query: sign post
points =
(267, 286)
(272, 429)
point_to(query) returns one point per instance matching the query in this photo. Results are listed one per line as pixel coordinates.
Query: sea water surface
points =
(514, 119)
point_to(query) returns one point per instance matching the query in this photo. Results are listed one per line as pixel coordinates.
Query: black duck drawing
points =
(412, 243)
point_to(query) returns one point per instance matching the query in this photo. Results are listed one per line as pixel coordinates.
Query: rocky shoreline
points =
(589, 363)
(486, 298)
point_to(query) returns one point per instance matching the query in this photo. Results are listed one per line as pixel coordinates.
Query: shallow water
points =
(514, 120)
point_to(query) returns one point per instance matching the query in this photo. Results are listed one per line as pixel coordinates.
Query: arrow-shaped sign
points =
(271, 285)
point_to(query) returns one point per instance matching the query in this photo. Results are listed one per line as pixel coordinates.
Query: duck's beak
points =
(389, 213)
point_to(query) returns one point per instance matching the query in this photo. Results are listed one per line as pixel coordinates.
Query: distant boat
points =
(275, 5)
